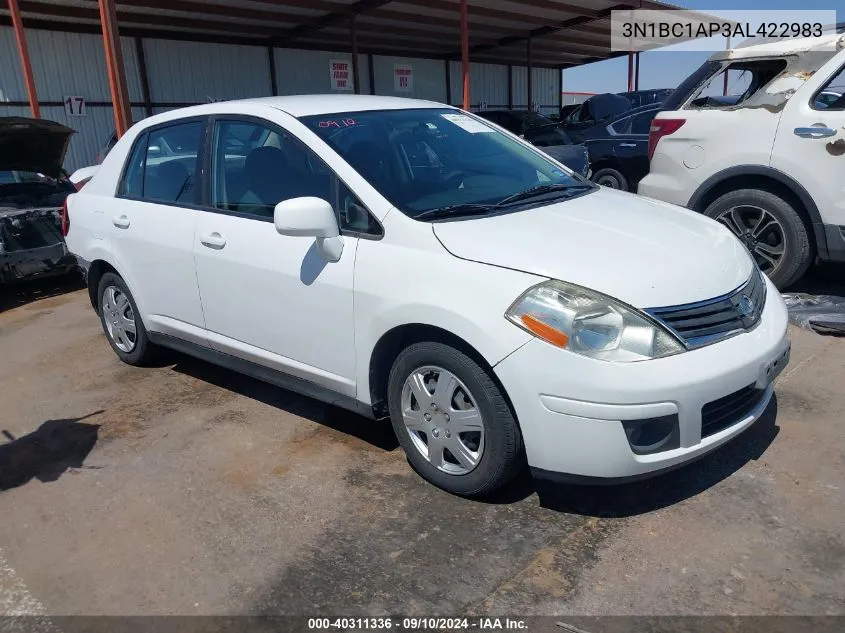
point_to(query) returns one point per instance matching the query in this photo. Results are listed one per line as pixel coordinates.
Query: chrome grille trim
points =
(707, 322)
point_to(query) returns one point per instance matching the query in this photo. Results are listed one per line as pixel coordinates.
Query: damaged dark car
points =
(33, 188)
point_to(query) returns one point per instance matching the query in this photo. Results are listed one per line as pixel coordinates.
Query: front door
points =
(269, 298)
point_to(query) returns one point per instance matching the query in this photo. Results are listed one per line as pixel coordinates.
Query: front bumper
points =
(571, 408)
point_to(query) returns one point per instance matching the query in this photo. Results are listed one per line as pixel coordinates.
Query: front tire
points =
(452, 420)
(122, 323)
(770, 228)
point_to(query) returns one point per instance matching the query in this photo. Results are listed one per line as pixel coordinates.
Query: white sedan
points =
(409, 260)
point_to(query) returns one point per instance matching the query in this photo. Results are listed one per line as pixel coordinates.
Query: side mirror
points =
(310, 217)
(153, 150)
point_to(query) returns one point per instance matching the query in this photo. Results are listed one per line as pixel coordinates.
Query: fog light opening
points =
(652, 435)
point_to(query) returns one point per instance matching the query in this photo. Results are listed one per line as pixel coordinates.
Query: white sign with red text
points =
(403, 78)
(340, 71)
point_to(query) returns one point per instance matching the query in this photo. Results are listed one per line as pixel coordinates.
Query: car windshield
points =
(430, 159)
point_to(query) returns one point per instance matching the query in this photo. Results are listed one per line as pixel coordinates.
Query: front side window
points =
(163, 164)
(433, 159)
(256, 166)
(832, 94)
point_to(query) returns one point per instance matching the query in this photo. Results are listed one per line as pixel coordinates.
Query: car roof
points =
(832, 43)
(305, 105)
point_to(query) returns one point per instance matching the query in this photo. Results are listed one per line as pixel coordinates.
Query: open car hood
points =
(33, 145)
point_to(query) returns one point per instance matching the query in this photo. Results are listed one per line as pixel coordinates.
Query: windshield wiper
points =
(455, 210)
(541, 190)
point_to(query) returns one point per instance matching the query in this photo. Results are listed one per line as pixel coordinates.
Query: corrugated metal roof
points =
(565, 32)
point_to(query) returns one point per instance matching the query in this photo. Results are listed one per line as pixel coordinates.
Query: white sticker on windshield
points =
(467, 123)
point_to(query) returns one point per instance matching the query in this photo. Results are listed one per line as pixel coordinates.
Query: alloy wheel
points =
(760, 231)
(443, 420)
(119, 319)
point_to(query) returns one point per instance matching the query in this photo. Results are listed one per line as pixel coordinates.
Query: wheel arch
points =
(391, 344)
(96, 270)
(768, 179)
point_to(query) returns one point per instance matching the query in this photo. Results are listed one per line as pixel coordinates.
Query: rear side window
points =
(737, 82)
(642, 122)
(163, 164)
(622, 126)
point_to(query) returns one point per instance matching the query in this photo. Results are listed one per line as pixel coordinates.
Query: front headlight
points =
(591, 324)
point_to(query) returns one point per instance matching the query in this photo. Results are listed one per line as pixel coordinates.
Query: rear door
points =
(810, 143)
(152, 221)
(631, 145)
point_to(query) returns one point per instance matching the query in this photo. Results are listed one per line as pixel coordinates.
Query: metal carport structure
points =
(534, 34)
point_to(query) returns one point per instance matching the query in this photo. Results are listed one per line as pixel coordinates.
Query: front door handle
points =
(121, 222)
(214, 240)
(814, 132)
(627, 144)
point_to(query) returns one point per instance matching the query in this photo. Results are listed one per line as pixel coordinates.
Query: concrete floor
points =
(188, 489)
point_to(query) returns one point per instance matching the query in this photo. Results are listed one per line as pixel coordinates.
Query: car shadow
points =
(17, 294)
(824, 279)
(641, 497)
(618, 500)
(378, 433)
(46, 453)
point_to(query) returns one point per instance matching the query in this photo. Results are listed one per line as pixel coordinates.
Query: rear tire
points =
(772, 230)
(468, 426)
(611, 178)
(122, 323)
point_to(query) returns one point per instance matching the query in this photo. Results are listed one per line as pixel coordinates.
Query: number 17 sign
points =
(75, 106)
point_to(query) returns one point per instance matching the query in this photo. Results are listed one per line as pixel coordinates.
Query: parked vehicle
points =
(407, 259)
(640, 98)
(33, 189)
(544, 133)
(618, 148)
(595, 109)
(767, 161)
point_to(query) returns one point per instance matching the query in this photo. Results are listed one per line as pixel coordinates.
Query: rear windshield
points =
(431, 158)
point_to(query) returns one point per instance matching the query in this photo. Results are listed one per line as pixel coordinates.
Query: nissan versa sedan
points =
(407, 260)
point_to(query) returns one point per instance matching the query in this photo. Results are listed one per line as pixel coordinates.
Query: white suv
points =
(768, 160)
(406, 259)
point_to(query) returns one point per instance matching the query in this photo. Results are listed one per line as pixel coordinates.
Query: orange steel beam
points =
(26, 65)
(465, 52)
(115, 68)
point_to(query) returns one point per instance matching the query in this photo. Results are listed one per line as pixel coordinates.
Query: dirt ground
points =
(188, 489)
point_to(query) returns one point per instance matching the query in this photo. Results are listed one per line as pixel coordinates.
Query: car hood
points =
(644, 252)
(33, 145)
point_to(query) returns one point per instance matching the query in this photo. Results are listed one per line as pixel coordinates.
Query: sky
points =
(665, 69)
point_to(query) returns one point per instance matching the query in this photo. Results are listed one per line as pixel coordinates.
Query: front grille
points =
(706, 322)
(721, 413)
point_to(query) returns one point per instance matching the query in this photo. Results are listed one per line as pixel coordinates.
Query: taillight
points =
(660, 128)
(65, 219)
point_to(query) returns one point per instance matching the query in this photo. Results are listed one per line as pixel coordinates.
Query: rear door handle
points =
(214, 240)
(627, 144)
(121, 222)
(814, 132)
